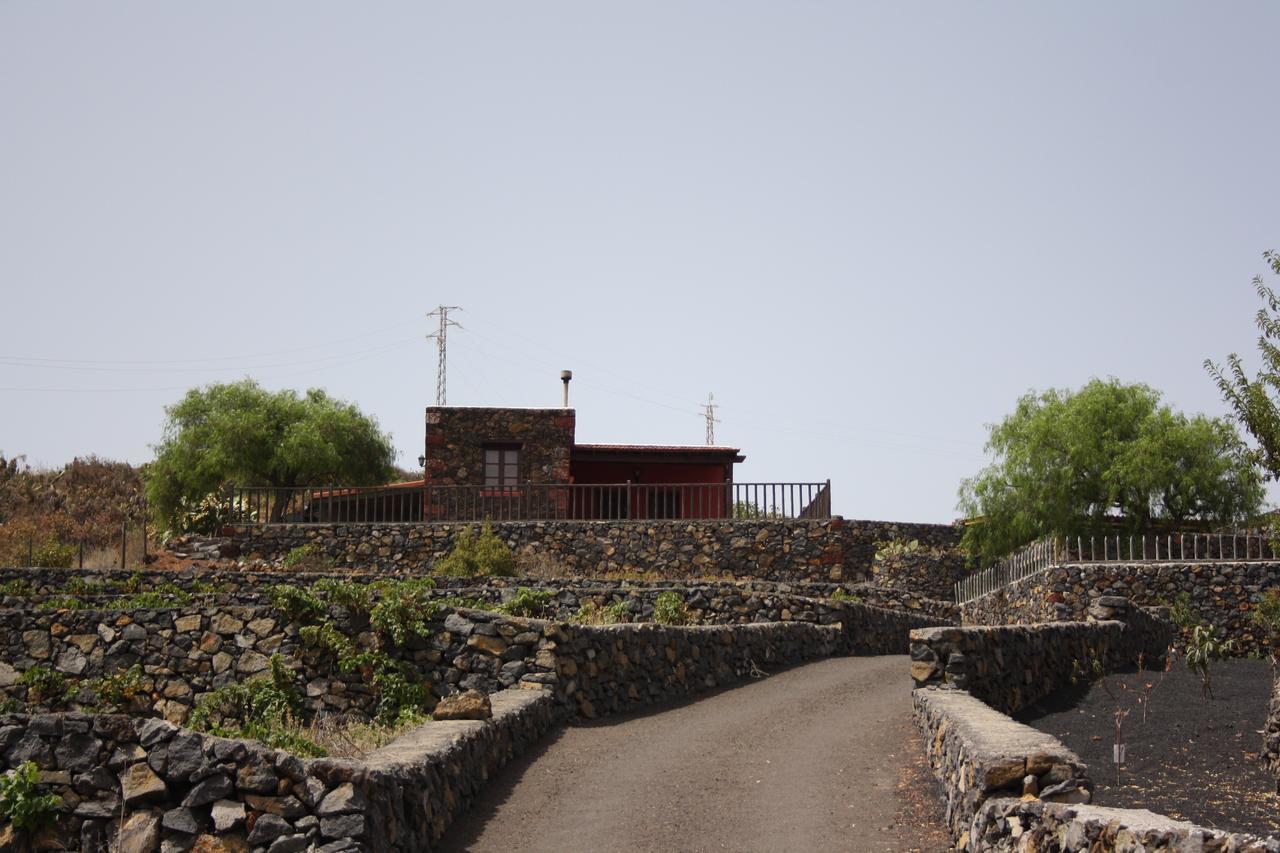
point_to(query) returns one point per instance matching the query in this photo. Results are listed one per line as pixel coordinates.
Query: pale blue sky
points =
(866, 228)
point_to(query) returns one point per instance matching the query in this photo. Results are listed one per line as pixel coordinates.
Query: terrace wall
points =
(717, 602)
(1222, 594)
(772, 549)
(1012, 666)
(1008, 787)
(137, 783)
(186, 652)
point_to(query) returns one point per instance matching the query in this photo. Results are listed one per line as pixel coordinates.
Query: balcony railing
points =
(528, 502)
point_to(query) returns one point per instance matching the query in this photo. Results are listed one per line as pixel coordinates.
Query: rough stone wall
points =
(134, 784)
(456, 438)
(1005, 825)
(186, 652)
(712, 601)
(1010, 788)
(1222, 594)
(1271, 735)
(1011, 666)
(773, 549)
(929, 573)
(978, 753)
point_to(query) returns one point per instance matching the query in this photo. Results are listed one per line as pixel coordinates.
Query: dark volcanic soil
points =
(1194, 759)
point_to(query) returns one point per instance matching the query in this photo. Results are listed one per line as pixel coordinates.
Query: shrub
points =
(487, 556)
(1183, 613)
(1266, 615)
(591, 613)
(120, 690)
(44, 685)
(669, 609)
(296, 604)
(893, 549)
(307, 558)
(265, 709)
(62, 602)
(209, 514)
(527, 602)
(1202, 649)
(20, 801)
(17, 588)
(402, 609)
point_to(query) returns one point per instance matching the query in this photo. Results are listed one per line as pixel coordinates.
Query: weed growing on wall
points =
(527, 602)
(487, 556)
(397, 612)
(45, 686)
(120, 690)
(265, 709)
(841, 595)
(591, 613)
(307, 558)
(669, 609)
(21, 802)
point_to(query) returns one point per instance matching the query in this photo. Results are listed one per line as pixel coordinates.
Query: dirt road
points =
(806, 759)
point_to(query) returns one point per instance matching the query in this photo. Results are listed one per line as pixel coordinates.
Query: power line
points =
(439, 337)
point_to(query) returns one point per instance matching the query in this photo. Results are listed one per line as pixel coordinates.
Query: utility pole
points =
(439, 337)
(709, 412)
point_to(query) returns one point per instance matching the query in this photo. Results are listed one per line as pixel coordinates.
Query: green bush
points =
(297, 604)
(265, 709)
(46, 552)
(1183, 613)
(591, 613)
(1266, 615)
(487, 556)
(841, 595)
(44, 685)
(120, 690)
(896, 548)
(669, 609)
(527, 602)
(17, 588)
(307, 558)
(402, 609)
(21, 804)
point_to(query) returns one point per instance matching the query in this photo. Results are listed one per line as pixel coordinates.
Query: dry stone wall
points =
(1271, 735)
(1223, 594)
(1011, 666)
(711, 601)
(1009, 788)
(136, 784)
(773, 549)
(186, 652)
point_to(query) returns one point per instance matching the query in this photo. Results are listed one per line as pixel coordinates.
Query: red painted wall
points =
(704, 497)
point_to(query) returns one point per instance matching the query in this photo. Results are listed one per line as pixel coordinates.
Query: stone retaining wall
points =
(1008, 787)
(185, 652)
(1222, 594)
(712, 601)
(1012, 826)
(772, 549)
(135, 784)
(978, 753)
(1271, 735)
(1011, 666)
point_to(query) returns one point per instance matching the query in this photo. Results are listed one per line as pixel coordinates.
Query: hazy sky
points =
(866, 228)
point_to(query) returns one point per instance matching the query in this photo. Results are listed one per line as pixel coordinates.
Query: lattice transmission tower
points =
(439, 336)
(709, 412)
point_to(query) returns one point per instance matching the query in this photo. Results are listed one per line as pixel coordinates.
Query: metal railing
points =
(528, 502)
(1120, 548)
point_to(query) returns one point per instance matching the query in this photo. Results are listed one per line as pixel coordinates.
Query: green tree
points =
(243, 433)
(1069, 463)
(1254, 401)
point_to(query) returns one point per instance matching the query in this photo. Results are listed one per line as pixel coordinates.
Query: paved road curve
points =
(806, 759)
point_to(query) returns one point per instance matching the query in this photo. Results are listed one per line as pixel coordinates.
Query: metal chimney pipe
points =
(565, 376)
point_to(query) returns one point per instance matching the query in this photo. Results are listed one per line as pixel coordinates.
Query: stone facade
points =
(1271, 735)
(1012, 666)
(135, 784)
(930, 573)
(775, 549)
(457, 437)
(1221, 593)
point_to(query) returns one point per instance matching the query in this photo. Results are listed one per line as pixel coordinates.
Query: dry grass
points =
(344, 737)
